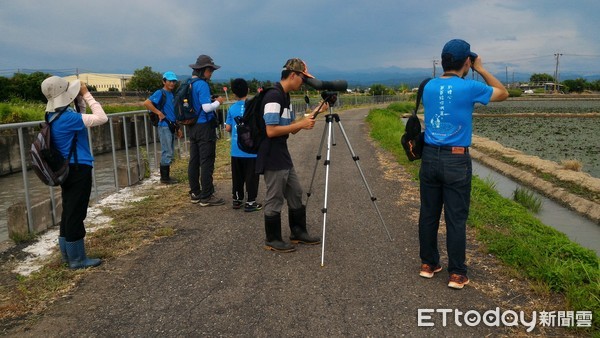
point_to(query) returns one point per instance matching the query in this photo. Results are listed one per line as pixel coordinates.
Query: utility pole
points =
(507, 76)
(556, 74)
(435, 62)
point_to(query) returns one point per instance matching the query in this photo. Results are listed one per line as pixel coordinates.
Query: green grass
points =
(527, 199)
(538, 252)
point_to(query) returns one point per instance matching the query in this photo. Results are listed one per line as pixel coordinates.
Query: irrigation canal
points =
(578, 228)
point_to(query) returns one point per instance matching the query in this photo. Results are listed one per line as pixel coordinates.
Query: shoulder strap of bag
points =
(73, 149)
(420, 95)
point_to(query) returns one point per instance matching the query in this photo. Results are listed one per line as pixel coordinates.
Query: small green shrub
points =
(515, 92)
(527, 199)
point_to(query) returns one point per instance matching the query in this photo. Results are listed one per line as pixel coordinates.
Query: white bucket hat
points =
(59, 92)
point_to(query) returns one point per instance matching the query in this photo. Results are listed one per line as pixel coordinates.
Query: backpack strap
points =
(420, 95)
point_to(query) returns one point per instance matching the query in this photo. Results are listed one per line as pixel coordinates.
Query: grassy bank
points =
(539, 253)
(23, 111)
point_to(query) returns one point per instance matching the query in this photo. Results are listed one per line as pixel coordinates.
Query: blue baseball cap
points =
(170, 76)
(458, 49)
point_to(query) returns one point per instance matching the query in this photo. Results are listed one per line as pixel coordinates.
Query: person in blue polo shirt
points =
(71, 127)
(167, 127)
(203, 136)
(242, 164)
(445, 174)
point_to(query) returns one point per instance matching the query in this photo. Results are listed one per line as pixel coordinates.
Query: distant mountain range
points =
(390, 76)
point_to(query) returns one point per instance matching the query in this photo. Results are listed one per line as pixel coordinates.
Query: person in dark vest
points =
(72, 126)
(275, 162)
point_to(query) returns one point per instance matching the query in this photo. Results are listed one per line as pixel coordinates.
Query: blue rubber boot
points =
(62, 245)
(77, 257)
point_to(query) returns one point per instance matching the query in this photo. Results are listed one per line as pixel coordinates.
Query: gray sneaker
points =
(211, 201)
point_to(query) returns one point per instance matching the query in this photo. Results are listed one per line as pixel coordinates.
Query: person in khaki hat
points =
(275, 162)
(70, 131)
(203, 136)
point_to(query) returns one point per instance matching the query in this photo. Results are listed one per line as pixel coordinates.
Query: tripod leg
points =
(312, 180)
(324, 210)
(356, 161)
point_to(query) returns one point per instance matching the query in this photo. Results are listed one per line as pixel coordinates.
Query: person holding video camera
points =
(203, 136)
(70, 131)
(275, 162)
(446, 169)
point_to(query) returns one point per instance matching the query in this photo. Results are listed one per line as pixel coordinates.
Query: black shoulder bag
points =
(413, 138)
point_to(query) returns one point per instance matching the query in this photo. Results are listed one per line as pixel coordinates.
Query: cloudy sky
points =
(244, 36)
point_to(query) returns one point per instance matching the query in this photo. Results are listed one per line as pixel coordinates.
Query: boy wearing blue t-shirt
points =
(163, 99)
(242, 164)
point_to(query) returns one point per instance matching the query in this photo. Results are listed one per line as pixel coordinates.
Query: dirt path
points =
(213, 278)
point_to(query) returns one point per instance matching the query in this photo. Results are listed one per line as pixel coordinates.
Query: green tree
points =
(379, 89)
(4, 88)
(145, 79)
(577, 85)
(541, 77)
(28, 86)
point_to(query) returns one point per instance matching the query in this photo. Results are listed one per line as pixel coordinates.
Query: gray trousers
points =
(282, 185)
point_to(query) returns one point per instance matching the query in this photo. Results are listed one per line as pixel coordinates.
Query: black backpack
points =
(47, 162)
(154, 119)
(413, 138)
(251, 129)
(184, 107)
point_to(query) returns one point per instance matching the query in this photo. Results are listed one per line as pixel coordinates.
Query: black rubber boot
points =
(165, 175)
(299, 234)
(273, 231)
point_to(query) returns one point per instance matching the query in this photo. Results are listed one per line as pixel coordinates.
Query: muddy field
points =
(552, 130)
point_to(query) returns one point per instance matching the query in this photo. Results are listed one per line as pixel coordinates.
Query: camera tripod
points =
(328, 129)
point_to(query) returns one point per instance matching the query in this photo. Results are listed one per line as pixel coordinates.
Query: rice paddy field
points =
(555, 130)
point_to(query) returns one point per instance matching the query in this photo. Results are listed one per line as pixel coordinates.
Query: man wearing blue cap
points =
(161, 104)
(445, 175)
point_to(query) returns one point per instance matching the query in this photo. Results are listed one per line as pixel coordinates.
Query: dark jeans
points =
(75, 199)
(203, 146)
(445, 181)
(243, 172)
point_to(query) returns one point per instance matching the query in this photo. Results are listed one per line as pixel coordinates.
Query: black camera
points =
(329, 97)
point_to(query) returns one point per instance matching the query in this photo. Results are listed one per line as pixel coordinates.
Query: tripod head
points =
(329, 97)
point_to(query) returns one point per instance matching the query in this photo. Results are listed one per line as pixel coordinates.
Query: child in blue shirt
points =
(242, 164)
(165, 109)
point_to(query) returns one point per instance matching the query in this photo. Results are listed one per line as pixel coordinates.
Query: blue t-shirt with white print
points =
(449, 104)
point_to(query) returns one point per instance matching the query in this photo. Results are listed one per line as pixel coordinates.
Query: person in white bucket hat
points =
(70, 137)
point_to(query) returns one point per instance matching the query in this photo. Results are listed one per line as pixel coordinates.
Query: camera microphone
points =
(337, 85)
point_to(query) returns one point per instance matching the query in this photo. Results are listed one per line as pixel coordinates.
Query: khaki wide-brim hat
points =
(59, 92)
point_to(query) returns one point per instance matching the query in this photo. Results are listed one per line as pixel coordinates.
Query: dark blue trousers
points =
(445, 182)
